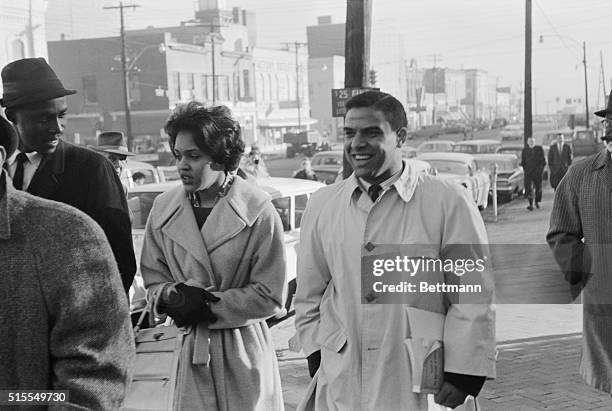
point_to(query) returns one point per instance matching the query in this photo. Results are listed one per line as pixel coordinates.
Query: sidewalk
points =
(538, 345)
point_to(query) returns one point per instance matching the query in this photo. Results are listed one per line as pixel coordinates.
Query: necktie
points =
(374, 191)
(18, 177)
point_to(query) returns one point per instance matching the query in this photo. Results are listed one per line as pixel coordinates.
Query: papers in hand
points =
(425, 349)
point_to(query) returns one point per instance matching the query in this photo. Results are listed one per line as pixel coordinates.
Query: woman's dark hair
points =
(8, 136)
(214, 130)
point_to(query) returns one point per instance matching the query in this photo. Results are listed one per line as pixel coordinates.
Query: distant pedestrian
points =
(559, 160)
(533, 163)
(580, 235)
(306, 172)
(64, 320)
(48, 167)
(254, 164)
(112, 145)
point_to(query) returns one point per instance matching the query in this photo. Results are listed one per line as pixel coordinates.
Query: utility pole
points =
(603, 76)
(586, 89)
(527, 125)
(356, 51)
(30, 30)
(297, 79)
(125, 73)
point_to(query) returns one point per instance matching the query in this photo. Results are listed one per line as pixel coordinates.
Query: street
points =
(538, 344)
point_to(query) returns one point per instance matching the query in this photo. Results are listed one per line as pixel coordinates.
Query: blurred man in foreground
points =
(64, 320)
(580, 236)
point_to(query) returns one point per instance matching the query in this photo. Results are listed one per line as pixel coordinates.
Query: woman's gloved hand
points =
(187, 305)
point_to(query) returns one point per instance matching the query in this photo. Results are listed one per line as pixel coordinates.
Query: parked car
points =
(326, 165)
(168, 173)
(408, 152)
(586, 142)
(512, 133)
(304, 142)
(288, 195)
(517, 150)
(435, 146)
(476, 146)
(462, 168)
(510, 175)
(430, 131)
(456, 127)
(131, 167)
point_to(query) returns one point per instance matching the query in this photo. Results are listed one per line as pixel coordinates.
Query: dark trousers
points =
(534, 179)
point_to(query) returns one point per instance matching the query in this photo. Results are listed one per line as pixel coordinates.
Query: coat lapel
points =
(181, 227)
(237, 210)
(45, 180)
(602, 166)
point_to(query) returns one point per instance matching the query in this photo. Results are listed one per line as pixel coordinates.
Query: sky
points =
(485, 34)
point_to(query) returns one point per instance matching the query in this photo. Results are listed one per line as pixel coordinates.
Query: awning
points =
(285, 122)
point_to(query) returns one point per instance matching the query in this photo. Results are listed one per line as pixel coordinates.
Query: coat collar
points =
(45, 183)
(405, 185)
(237, 210)
(601, 159)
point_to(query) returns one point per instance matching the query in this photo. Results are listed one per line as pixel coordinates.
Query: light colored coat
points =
(582, 211)
(238, 256)
(364, 362)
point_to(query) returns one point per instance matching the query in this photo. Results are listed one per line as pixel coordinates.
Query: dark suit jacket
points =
(86, 180)
(532, 160)
(559, 162)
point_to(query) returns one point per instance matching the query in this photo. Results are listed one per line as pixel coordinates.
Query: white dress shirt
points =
(29, 167)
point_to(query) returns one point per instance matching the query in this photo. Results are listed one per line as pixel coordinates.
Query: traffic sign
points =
(341, 95)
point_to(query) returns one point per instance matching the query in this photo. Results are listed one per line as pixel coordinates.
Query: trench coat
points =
(580, 236)
(238, 256)
(364, 361)
(84, 179)
(64, 320)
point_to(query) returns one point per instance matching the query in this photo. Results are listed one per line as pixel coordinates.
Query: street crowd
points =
(214, 266)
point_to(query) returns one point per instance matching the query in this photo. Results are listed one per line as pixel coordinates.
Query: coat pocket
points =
(331, 336)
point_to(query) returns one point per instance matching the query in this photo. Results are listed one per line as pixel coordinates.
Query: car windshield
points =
(450, 167)
(503, 166)
(465, 148)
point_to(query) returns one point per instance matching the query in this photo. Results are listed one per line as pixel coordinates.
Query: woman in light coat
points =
(213, 258)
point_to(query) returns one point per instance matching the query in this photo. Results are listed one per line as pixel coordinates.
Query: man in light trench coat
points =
(580, 236)
(358, 352)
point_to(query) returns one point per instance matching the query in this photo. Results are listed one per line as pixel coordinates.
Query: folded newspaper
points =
(426, 350)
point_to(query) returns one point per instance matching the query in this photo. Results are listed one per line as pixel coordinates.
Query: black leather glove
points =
(188, 305)
(314, 361)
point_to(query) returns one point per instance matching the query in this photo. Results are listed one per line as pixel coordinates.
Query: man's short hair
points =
(8, 136)
(138, 175)
(391, 108)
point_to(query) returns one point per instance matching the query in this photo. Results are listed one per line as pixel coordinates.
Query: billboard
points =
(434, 78)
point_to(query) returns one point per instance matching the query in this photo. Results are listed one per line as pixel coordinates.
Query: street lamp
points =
(584, 62)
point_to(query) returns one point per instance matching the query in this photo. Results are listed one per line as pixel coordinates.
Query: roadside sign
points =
(341, 95)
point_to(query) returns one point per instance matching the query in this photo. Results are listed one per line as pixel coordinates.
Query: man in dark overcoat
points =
(64, 320)
(533, 163)
(580, 237)
(48, 167)
(559, 160)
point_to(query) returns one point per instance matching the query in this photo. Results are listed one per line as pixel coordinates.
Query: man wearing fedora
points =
(580, 236)
(112, 145)
(48, 167)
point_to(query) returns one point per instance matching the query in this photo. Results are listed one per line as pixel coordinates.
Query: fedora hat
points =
(607, 110)
(28, 81)
(112, 142)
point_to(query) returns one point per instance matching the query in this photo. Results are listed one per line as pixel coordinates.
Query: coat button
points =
(370, 246)
(370, 296)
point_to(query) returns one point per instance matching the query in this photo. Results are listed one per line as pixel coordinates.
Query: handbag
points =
(154, 381)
